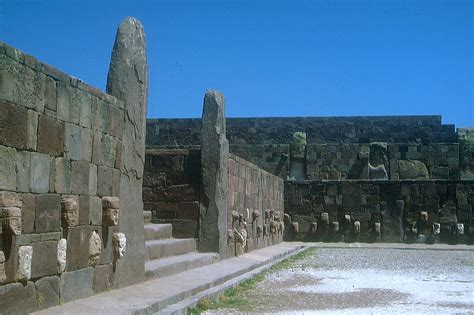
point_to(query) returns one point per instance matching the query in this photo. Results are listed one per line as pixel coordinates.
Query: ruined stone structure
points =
(355, 178)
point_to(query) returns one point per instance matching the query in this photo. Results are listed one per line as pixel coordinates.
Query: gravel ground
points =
(370, 281)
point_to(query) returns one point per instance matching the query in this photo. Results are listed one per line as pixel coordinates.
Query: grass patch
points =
(234, 298)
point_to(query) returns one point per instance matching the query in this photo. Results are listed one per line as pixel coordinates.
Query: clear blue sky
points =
(270, 58)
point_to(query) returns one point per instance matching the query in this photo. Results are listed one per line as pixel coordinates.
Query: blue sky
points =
(269, 58)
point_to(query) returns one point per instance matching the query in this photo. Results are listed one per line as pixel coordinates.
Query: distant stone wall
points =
(60, 162)
(395, 205)
(255, 207)
(466, 153)
(265, 131)
(171, 185)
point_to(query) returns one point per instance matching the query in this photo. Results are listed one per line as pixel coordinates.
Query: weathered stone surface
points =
(47, 292)
(32, 129)
(411, 169)
(128, 82)
(78, 247)
(7, 168)
(69, 211)
(214, 160)
(104, 181)
(119, 241)
(3, 276)
(61, 255)
(84, 99)
(378, 172)
(64, 95)
(10, 218)
(25, 255)
(50, 135)
(44, 259)
(104, 278)
(11, 294)
(48, 213)
(50, 97)
(105, 149)
(28, 212)
(23, 171)
(9, 199)
(76, 284)
(40, 172)
(84, 178)
(13, 124)
(72, 141)
(62, 176)
(95, 247)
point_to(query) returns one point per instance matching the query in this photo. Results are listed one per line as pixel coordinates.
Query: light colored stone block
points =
(7, 168)
(23, 171)
(40, 172)
(85, 103)
(63, 101)
(25, 255)
(72, 142)
(32, 129)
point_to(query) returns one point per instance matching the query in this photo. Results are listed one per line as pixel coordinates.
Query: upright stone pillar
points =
(214, 161)
(128, 81)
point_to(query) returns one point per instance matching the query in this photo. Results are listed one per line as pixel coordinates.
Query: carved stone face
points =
(460, 228)
(119, 242)
(69, 211)
(230, 236)
(267, 214)
(377, 227)
(347, 217)
(235, 215)
(436, 228)
(357, 227)
(61, 255)
(295, 227)
(273, 227)
(11, 218)
(325, 218)
(255, 215)
(111, 217)
(95, 248)
(424, 216)
(259, 231)
(265, 229)
(335, 227)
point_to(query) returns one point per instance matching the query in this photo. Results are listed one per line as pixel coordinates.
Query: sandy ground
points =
(370, 281)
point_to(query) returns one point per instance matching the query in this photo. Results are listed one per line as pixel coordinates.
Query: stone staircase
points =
(166, 256)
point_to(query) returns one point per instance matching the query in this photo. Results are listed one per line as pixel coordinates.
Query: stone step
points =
(156, 249)
(162, 295)
(146, 217)
(158, 231)
(165, 267)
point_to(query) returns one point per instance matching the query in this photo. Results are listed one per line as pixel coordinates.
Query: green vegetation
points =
(234, 298)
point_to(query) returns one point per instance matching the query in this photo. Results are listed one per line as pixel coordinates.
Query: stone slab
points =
(48, 213)
(76, 285)
(47, 292)
(11, 294)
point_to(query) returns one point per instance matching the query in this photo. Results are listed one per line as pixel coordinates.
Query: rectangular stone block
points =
(62, 176)
(72, 141)
(86, 144)
(64, 96)
(13, 122)
(104, 278)
(40, 172)
(115, 182)
(84, 178)
(48, 213)
(107, 253)
(44, 261)
(47, 292)
(116, 122)
(50, 135)
(32, 129)
(50, 96)
(7, 168)
(78, 247)
(76, 285)
(104, 181)
(75, 106)
(85, 104)
(16, 298)
(7, 85)
(28, 213)
(23, 171)
(187, 210)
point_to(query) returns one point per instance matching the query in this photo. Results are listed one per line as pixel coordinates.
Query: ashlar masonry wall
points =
(60, 175)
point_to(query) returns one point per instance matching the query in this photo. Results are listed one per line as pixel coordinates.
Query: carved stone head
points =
(313, 227)
(259, 231)
(110, 211)
(119, 241)
(377, 227)
(11, 219)
(235, 215)
(62, 255)
(347, 218)
(265, 230)
(267, 214)
(424, 216)
(436, 228)
(295, 227)
(325, 218)
(460, 228)
(335, 227)
(273, 227)
(230, 236)
(255, 215)
(69, 211)
(357, 227)
(95, 248)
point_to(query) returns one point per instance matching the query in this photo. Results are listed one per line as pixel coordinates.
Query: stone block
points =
(50, 136)
(23, 171)
(48, 213)
(13, 122)
(16, 298)
(84, 178)
(78, 247)
(75, 106)
(47, 292)
(25, 255)
(104, 181)
(116, 122)
(50, 96)
(72, 141)
(32, 129)
(44, 262)
(64, 101)
(28, 213)
(7, 85)
(187, 210)
(76, 285)
(104, 278)
(107, 250)
(105, 150)
(115, 182)
(85, 105)
(62, 176)
(7, 168)
(10, 199)
(40, 172)
(3, 276)
(86, 144)
(185, 228)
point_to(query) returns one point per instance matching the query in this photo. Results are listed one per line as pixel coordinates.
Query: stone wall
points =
(60, 163)
(395, 205)
(171, 185)
(255, 207)
(466, 153)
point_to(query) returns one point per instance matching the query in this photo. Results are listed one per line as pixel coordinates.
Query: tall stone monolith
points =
(128, 81)
(214, 160)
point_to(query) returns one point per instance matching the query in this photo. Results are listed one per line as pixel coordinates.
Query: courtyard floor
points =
(366, 280)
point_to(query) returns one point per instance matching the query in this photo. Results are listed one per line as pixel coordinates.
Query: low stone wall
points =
(387, 211)
(64, 158)
(171, 185)
(255, 207)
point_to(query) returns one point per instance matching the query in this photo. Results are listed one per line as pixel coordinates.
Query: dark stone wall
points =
(265, 131)
(171, 185)
(466, 153)
(396, 205)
